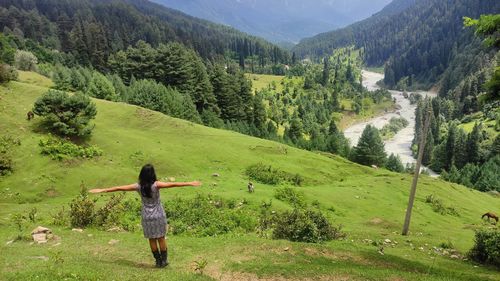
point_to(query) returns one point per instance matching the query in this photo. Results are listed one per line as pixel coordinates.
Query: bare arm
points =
(160, 184)
(130, 187)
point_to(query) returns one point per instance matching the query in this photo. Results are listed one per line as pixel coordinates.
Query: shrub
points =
(394, 164)
(291, 196)
(6, 145)
(110, 212)
(25, 60)
(66, 115)
(309, 226)
(486, 248)
(7, 73)
(268, 175)
(395, 125)
(439, 207)
(81, 211)
(100, 87)
(208, 216)
(59, 149)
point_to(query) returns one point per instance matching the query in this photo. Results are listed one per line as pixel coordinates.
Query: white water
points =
(400, 144)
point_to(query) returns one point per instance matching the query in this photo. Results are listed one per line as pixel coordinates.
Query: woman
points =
(154, 220)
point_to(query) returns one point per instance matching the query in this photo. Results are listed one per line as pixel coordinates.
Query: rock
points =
(41, 229)
(115, 229)
(77, 230)
(216, 175)
(39, 238)
(445, 252)
(171, 179)
(387, 241)
(9, 242)
(57, 244)
(89, 235)
(113, 242)
(286, 249)
(454, 257)
(374, 166)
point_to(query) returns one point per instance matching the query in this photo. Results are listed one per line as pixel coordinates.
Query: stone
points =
(171, 179)
(113, 242)
(77, 230)
(41, 229)
(286, 249)
(39, 238)
(216, 175)
(387, 241)
(44, 258)
(9, 242)
(115, 229)
(454, 257)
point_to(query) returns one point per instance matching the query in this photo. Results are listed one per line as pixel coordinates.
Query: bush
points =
(394, 164)
(291, 196)
(309, 226)
(7, 73)
(439, 207)
(395, 125)
(208, 216)
(268, 175)
(100, 87)
(24, 60)
(6, 145)
(486, 248)
(59, 149)
(81, 211)
(66, 115)
(110, 212)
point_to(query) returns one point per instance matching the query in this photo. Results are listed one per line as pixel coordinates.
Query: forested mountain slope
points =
(419, 43)
(90, 30)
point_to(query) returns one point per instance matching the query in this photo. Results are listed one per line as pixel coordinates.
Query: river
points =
(400, 144)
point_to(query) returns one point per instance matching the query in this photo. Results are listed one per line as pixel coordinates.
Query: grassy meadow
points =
(370, 204)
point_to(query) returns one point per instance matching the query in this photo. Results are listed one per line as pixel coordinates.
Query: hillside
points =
(280, 21)
(369, 203)
(89, 31)
(415, 40)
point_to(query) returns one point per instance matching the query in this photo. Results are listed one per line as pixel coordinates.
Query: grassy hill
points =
(369, 203)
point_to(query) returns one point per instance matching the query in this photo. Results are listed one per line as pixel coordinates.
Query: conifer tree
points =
(370, 149)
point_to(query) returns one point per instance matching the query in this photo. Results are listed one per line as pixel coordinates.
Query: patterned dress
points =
(154, 220)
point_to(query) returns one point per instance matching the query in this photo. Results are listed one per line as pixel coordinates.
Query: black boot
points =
(164, 258)
(158, 259)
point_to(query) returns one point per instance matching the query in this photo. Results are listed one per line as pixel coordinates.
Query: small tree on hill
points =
(100, 87)
(370, 148)
(394, 164)
(25, 60)
(66, 115)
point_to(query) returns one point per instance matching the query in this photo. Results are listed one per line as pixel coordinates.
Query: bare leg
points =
(162, 243)
(153, 245)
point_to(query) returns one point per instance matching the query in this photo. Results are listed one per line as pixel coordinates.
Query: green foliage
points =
(7, 73)
(7, 144)
(394, 164)
(110, 212)
(66, 115)
(209, 216)
(81, 212)
(486, 25)
(439, 207)
(24, 60)
(291, 196)
(59, 149)
(486, 248)
(370, 149)
(268, 175)
(100, 87)
(395, 125)
(310, 226)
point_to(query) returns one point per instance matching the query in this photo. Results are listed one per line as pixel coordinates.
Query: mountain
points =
(91, 30)
(417, 40)
(280, 20)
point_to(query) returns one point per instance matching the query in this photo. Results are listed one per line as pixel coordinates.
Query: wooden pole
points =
(413, 189)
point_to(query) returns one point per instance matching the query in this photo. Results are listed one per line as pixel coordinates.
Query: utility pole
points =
(413, 189)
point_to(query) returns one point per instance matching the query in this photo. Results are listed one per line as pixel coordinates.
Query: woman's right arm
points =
(160, 184)
(130, 187)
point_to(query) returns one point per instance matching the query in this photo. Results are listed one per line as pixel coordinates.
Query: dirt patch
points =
(242, 276)
(376, 221)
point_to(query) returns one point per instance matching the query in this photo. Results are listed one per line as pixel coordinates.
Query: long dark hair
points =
(146, 179)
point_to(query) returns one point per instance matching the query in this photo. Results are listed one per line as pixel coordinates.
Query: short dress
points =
(154, 220)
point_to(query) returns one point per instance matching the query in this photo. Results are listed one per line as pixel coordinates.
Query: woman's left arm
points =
(130, 187)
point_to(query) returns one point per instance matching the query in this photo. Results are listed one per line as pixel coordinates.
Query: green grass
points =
(370, 204)
(263, 81)
(488, 126)
(371, 110)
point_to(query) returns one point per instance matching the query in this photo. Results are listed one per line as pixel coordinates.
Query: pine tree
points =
(394, 164)
(473, 142)
(370, 149)
(100, 87)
